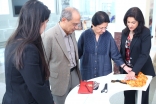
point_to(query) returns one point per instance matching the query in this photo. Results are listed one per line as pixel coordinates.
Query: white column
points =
(154, 24)
(138, 97)
(147, 12)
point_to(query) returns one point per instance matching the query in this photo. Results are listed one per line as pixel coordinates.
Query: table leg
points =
(138, 97)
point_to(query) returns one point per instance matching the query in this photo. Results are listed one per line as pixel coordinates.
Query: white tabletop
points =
(102, 98)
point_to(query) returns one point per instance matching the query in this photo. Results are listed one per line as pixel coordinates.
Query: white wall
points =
(122, 6)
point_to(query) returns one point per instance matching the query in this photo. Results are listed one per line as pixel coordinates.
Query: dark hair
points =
(31, 16)
(99, 18)
(136, 13)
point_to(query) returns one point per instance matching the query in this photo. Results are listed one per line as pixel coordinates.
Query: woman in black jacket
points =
(26, 72)
(135, 49)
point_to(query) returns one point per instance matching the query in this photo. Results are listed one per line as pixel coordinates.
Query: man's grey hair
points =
(67, 13)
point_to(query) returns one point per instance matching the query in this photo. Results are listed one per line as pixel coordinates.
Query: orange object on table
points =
(138, 82)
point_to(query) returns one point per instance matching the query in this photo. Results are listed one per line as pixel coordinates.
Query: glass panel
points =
(85, 7)
(65, 3)
(109, 7)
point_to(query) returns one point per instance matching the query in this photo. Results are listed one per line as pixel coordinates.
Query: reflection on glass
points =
(65, 3)
(85, 7)
(109, 7)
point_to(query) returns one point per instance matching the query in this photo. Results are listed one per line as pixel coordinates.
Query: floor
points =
(115, 99)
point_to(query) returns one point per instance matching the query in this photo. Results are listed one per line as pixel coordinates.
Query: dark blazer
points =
(27, 85)
(139, 52)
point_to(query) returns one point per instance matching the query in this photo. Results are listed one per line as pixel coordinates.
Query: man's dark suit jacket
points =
(139, 52)
(27, 85)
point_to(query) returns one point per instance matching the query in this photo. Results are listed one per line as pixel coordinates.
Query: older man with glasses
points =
(62, 54)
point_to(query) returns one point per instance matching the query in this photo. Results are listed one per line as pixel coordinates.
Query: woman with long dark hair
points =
(135, 49)
(26, 71)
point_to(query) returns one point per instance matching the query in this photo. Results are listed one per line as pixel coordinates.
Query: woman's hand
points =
(127, 69)
(130, 76)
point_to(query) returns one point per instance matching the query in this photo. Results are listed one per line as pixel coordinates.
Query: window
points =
(85, 7)
(4, 7)
(51, 4)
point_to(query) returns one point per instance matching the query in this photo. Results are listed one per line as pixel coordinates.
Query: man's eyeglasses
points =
(75, 24)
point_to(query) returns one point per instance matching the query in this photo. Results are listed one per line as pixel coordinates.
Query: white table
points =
(103, 98)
